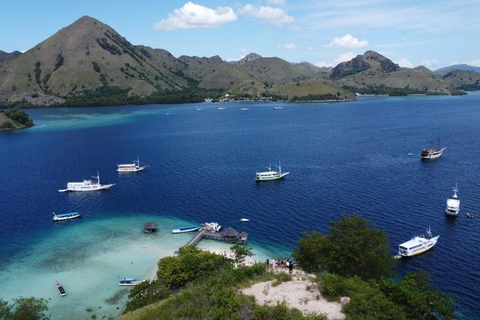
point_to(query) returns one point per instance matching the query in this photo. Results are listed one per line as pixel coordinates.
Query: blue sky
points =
(323, 32)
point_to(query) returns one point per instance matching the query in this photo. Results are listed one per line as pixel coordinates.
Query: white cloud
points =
(323, 64)
(347, 41)
(403, 62)
(276, 2)
(275, 16)
(475, 63)
(345, 57)
(287, 46)
(430, 63)
(192, 16)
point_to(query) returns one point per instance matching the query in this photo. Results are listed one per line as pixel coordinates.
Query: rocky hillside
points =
(373, 73)
(89, 63)
(6, 57)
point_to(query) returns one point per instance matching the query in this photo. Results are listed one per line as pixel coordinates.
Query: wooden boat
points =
(129, 282)
(432, 153)
(60, 289)
(271, 175)
(66, 216)
(185, 229)
(131, 167)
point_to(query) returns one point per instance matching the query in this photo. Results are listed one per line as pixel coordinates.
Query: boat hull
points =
(66, 216)
(424, 247)
(185, 229)
(272, 178)
(88, 188)
(430, 154)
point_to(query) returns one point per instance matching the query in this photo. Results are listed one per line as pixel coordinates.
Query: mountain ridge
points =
(89, 63)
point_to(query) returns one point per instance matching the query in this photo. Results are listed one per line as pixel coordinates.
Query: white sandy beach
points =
(293, 292)
(296, 295)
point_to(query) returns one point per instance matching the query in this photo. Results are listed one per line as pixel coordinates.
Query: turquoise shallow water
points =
(88, 257)
(343, 158)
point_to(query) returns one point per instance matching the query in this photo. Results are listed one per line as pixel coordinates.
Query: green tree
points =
(240, 252)
(353, 247)
(24, 309)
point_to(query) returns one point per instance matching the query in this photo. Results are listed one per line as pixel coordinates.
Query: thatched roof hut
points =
(149, 227)
(230, 235)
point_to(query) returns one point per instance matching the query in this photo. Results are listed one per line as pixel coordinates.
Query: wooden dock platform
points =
(229, 235)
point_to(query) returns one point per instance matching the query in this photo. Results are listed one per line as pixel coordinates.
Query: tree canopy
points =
(23, 309)
(353, 247)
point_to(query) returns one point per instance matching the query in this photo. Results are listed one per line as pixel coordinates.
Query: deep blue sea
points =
(343, 158)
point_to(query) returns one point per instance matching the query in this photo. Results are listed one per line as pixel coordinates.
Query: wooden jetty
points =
(230, 236)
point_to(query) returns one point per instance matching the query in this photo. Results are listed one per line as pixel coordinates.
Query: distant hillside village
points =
(88, 63)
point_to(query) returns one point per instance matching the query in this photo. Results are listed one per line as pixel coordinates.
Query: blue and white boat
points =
(185, 229)
(66, 216)
(129, 282)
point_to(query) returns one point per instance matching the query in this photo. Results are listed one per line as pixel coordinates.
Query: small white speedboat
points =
(244, 220)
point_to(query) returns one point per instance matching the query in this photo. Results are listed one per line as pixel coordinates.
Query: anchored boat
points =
(432, 153)
(185, 229)
(87, 185)
(453, 204)
(129, 282)
(66, 216)
(60, 289)
(131, 167)
(417, 245)
(271, 175)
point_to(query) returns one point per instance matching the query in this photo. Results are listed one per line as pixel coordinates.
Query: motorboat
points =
(271, 175)
(244, 220)
(131, 167)
(469, 215)
(66, 216)
(244, 109)
(87, 185)
(129, 282)
(185, 229)
(432, 153)
(417, 245)
(60, 289)
(211, 226)
(453, 204)
(277, 108)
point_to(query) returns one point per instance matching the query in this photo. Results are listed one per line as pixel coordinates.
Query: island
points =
(14, 120)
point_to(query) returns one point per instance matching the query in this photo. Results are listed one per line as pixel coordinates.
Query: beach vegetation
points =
(24, 308)
(352, 247)
(203, 285)
(409, 298)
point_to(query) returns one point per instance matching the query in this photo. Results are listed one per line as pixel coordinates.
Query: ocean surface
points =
(343, 158)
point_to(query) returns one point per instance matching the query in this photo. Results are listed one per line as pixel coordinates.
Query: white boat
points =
(129, 282)
(221, 108)
(417, 245)
(60, 288)
(131, 167)
(211, 226)
(87, 185)
(271, 174)
(432, 153)
(185, 229)
(66, 216)
(244, 109)
(453, 204)
(244, 220)
(277, 108)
